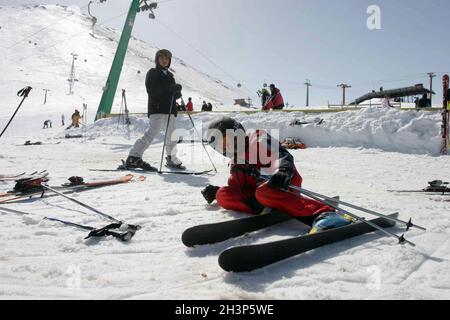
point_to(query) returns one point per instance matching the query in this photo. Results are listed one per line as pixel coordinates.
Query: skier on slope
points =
(162, 92)
(246, 193)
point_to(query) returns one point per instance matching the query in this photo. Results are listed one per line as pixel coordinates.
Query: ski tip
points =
(228, 262)
(187, 240)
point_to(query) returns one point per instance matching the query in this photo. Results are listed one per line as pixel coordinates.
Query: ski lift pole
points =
(401, 239)
(22, 93)
(110, 88)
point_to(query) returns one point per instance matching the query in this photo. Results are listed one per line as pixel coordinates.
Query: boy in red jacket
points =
(244, 191)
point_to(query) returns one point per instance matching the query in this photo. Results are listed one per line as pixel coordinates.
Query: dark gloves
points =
(175, 88)
(210, 193)
(281, 179)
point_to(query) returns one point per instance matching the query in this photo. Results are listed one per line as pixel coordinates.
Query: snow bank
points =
(410, 132)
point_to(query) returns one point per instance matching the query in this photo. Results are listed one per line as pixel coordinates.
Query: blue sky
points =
(288, 41)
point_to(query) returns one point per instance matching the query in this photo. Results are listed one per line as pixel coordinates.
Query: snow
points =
(359, 155)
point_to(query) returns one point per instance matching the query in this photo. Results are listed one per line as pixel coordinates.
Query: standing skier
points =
(162, 92)
(245, 193)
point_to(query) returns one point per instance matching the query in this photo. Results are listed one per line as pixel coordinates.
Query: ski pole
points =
(401, 238)
(167, 129)
(22, 93)
(201, 138)
(88, 207)
(408, 224)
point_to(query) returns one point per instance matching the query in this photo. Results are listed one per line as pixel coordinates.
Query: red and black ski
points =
(445, 148)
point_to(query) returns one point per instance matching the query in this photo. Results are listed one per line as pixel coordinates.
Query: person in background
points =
(275, 101)
(424, 102)
(190, 105)
(75, 120)
(63, 120)
(387, 103)
(210, 106)
(204, 106)
(264, 93)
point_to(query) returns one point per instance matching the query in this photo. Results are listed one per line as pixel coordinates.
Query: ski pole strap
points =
(24, 92)
(107, 231)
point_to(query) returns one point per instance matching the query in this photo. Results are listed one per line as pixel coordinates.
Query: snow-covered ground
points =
(359, 155)
(42, 259)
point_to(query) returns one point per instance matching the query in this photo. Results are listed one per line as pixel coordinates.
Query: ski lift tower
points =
(72, 78)
(110, 88)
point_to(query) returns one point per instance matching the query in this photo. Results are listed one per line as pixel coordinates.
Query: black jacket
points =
(158, 87)
(424, 103)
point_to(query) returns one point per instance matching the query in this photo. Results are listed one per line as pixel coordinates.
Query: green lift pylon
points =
(110, 88)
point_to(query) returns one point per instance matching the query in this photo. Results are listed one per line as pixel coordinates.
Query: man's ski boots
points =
(138, 163)
(330, 220)
(174, 163)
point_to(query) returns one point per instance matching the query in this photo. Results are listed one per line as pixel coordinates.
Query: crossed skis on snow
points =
(248, 258)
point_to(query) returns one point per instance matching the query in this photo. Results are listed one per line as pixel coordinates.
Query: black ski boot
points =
(138, 163)
(175, 163)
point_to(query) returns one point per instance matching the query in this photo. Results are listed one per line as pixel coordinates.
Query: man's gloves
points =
(210, 193)
(281, 179)
(175, 88)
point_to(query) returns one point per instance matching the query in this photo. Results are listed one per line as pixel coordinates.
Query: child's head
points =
(163, 58)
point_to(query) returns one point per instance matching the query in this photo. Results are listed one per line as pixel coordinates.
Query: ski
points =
(445, 148)
(248, 258)
(4, 177)
(298, 122)
(434, 187)
(22, 176)
(221, 231)
(72, 187)
(186, 172)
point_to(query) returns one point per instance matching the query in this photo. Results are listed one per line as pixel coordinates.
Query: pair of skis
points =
(251, 257)
(248, 258)
(434, 187)
(123, 167)
(23, 175)
(39, 190)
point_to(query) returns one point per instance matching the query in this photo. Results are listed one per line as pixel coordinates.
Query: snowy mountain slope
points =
(40, 254)
(36, 46)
